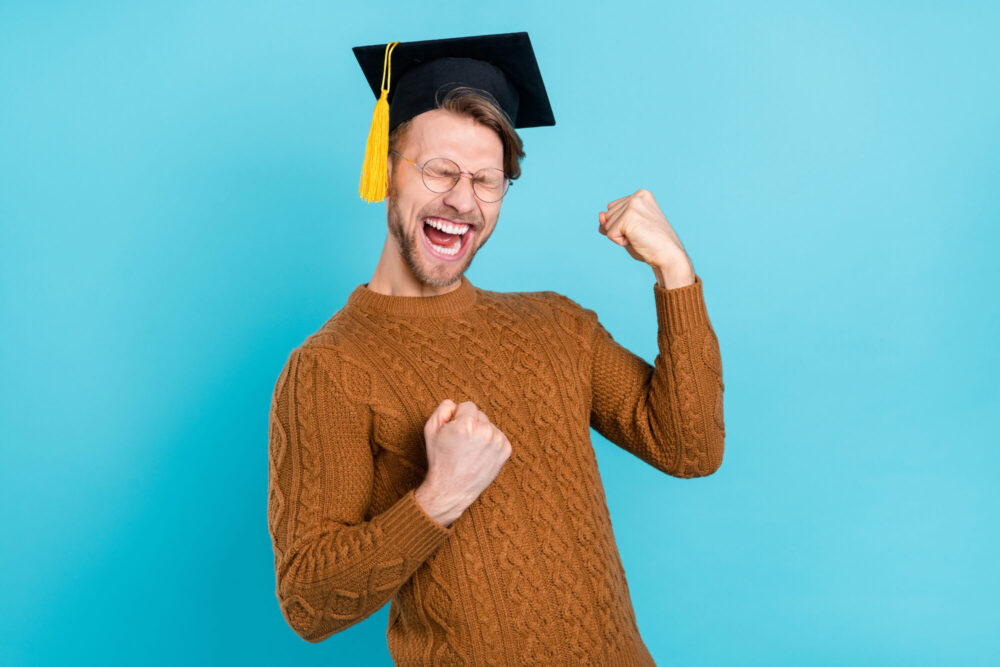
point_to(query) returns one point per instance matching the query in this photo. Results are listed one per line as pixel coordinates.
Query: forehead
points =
(441, 133)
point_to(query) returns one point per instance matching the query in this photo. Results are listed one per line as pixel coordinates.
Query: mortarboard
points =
(504, 65)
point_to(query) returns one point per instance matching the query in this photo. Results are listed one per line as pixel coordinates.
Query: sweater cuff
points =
(415, 533)
(681, 308)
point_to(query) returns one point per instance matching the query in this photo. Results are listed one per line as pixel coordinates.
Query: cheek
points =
(490, 216)
(414, 206)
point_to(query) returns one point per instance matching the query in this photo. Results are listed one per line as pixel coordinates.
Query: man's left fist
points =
(636, 223)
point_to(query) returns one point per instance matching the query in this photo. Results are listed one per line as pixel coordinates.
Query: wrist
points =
(437, 505)
(672, 277)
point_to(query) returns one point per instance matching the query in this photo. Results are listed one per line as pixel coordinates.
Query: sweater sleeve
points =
(332, 567)
(668, 414)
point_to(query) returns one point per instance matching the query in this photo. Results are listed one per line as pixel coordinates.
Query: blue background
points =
(178, 197)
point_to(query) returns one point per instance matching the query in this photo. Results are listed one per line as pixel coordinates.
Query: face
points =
(441, 133)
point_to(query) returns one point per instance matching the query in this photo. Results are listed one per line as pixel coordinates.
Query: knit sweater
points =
(530, 572)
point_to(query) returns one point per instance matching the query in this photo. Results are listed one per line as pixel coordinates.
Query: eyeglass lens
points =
(441, 175)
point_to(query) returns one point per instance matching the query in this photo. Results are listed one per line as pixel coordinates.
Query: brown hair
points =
(482, 107)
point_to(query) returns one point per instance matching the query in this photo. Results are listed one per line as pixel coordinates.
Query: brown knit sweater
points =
(530, 572)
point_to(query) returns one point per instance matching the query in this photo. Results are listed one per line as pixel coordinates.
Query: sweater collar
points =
(455, 301)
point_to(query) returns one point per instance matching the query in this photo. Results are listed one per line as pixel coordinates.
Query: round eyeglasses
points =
(441, 175)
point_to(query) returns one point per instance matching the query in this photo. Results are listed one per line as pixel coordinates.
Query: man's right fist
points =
(465, 452)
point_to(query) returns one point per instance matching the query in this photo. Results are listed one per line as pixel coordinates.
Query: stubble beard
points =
(410, 250)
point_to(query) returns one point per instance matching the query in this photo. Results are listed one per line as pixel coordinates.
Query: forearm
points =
(336, 575)
(685, 391)
(334, 563)
(668, 413)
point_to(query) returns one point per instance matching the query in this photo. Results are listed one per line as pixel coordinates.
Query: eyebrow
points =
(424, 161)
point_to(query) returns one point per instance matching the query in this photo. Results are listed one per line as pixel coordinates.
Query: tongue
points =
(440, 238)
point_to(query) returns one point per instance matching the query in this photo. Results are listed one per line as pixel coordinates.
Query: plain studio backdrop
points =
(179, 210)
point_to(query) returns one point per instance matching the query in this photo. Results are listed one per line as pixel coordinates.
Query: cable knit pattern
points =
(529, 574)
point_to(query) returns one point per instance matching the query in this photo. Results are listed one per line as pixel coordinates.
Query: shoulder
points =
(547, 310)
(545, 301)
(568, 305)
(565, 309)
(342, 340)
(332, 359)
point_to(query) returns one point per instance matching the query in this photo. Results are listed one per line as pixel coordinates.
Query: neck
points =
(447, 304)
(393, 277)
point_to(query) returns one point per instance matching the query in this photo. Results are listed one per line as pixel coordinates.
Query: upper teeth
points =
(449, 227)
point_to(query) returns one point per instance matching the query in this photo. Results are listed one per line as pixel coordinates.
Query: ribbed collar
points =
(455, 301)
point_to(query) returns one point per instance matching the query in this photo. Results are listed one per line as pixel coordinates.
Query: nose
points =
(461, 197)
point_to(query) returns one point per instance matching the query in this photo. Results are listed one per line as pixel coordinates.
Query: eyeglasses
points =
(441, 175)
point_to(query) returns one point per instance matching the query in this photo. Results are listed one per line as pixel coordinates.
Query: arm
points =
(332, 567)
(668, 414)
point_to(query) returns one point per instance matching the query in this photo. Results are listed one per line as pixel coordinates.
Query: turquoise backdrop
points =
(179, 209)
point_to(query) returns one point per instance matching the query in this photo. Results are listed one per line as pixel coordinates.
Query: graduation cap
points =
(408, 78)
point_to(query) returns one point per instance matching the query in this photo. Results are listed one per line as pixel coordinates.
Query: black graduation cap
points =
(408, 78)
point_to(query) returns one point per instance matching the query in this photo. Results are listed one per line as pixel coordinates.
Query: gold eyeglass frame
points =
(472, 177)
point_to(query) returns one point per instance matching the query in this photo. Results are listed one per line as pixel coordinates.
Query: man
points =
(430, 443)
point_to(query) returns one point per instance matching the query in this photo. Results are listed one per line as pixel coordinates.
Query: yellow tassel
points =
(373, 172)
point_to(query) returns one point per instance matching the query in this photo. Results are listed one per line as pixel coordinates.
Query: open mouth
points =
(445, 239)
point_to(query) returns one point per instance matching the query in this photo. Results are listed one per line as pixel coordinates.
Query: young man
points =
(430, 443)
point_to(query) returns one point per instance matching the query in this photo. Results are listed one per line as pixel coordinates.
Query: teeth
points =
(447, 227)
(447, 251)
